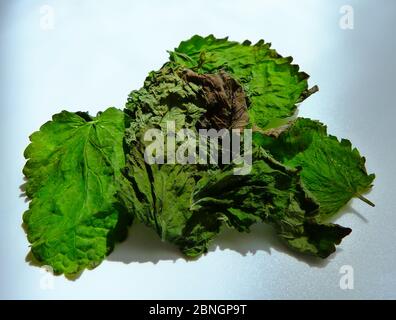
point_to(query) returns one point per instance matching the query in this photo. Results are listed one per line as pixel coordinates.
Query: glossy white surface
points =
(98, 51)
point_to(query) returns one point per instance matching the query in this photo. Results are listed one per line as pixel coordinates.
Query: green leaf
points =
(163, 192)
(274, 194)
(165, 96)
(188, 204)
(163, 202)
(332, 170)
(272, 83)
(190, 99)
(189, 208)
(73, 174)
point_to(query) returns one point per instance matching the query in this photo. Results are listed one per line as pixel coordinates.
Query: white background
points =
(98, 51)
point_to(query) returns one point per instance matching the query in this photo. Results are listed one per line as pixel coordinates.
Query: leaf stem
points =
(365, 200)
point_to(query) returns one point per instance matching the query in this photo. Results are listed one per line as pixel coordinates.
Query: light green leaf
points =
(73, 174)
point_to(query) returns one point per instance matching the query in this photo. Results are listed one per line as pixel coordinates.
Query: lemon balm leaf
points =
(332, 170)
(73, 174)
(272, 83)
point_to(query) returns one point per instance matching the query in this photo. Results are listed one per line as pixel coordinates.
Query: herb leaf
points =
(332, 170)
(272, 83)
(188, 205)
(73, 173)
(164, 194)
(274, 194)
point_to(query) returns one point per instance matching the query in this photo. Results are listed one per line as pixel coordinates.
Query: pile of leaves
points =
(88, 180)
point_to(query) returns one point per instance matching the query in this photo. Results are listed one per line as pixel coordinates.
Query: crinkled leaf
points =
(188, 208)
(164, 202)
(274, 194)
(190, 216)
(332, 170)
(163, 192)
(188, 98)
(223, 98)
(166, 96)
(273, 84)
(73, 173)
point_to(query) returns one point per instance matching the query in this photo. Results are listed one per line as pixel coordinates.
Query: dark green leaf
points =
(332, 170)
